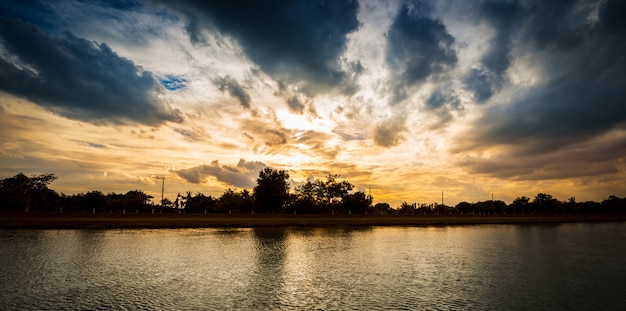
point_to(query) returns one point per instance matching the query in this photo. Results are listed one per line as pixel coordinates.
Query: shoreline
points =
(150, 221)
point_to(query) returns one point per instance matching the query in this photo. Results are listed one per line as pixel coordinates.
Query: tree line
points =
(272, 194)
(541, 204)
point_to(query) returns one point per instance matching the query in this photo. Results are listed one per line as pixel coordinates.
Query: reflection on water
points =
(269, 261)
(513, 267)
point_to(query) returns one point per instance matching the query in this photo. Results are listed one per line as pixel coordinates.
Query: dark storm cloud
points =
(78, 79)
(443, 103)
(504, 18)
(546, 25)
(234, 89)
(612, 16)
(243, 175)
(440, 98)
(418, 47)
(592, 158)
(482, 83)
(298, 42)
(36, 12)
(582, 90)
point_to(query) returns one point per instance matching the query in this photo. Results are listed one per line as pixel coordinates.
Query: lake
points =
(579, 266)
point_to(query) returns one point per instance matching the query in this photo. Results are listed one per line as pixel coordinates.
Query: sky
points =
(404, 99)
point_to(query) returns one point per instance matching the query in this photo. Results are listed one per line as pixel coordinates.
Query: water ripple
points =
(456, 268)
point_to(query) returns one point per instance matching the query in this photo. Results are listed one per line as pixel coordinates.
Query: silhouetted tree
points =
(425, 209)
(28, 193)
(521, 205)
(302, 204)
(131, 200)
(544, 203)
(407, 209)
(333, 191)
(357, 202)
(167, 203)
(200, 203)
(464, 207)
(323, 195)
(614, 205)
(305, 200)
(232, 201)
(382, 208)
(272, 190)
(96, 199)
(272, 194)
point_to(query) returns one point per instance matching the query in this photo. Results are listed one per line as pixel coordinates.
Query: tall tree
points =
(521, 205)
(272, 190)
(25, 193)
(545, 203)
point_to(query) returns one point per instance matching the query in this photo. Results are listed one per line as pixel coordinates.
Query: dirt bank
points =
(110, 221)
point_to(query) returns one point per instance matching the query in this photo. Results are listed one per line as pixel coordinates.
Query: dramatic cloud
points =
(234, 89)
(504, 18)
(548, 25)
(295, 105)
(267, 135)
(76, 78)
(599, 156)
(581, 92)
(444, 103)
(243, 175)
(482, 83)
(389, 132)
(418, 47)
(298, 42)
(408, 97)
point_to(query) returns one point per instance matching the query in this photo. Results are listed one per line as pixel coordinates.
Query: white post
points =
(93, 210)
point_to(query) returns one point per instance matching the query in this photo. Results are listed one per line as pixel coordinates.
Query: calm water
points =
(498, 267)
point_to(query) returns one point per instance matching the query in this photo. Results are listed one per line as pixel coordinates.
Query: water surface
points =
(489, 267)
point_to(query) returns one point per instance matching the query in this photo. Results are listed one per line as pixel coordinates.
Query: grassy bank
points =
(110, 221)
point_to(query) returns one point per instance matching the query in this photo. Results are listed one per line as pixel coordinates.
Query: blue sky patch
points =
(173, 83)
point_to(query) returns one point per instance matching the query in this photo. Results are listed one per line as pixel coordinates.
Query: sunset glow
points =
(405, 99)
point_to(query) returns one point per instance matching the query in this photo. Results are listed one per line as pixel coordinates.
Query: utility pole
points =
(441, 198)
(162, 178)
